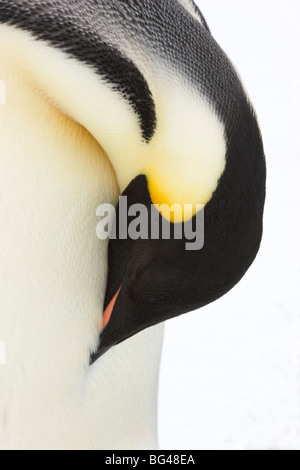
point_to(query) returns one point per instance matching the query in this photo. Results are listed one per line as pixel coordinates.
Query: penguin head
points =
(202, 156)
(170, 111)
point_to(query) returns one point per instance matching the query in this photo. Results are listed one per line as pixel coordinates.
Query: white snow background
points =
(230, 375)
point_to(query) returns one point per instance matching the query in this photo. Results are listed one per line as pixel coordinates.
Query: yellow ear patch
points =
(187, 155)
(172, 208)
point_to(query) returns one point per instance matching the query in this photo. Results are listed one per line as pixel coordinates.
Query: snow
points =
(230, 375)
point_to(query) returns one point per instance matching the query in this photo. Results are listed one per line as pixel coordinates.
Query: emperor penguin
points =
(105, 99)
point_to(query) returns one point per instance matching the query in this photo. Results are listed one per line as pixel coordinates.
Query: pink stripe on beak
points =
(108, 312)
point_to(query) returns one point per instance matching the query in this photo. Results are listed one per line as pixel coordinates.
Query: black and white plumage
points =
(130, 97)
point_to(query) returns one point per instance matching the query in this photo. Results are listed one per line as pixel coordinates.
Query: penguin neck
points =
(53, 176)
